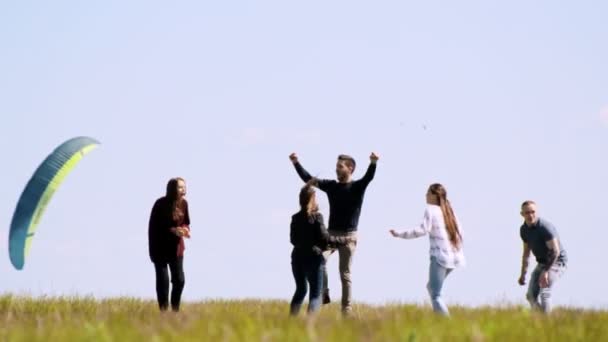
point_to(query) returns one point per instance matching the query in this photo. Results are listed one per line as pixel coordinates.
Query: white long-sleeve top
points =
(441, 248)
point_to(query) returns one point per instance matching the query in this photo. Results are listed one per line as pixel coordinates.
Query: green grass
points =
(127, 319)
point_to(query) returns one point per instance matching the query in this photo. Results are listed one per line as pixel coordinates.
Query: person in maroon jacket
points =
(169, 224)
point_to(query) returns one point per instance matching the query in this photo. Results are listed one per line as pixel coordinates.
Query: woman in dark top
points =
(169, 224)
(309, 239)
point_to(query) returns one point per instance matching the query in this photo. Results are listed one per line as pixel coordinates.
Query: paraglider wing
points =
(38, 192)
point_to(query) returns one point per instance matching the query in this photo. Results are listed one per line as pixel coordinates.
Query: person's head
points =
(308, 200)
(437, 195)
(345, 167)
(528, 212)
(176, 188)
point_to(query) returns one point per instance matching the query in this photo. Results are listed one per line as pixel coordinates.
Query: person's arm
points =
(418, 231)
(552, 254)
(550, 237)
(156, 219)
(524, 264)
(153, 230)
(371, 169)
(186, 228)
(292, 232)
(153, 216)
(186, 214)
(306, 177)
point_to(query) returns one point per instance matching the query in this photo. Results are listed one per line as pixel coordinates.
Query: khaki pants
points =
(345, 253)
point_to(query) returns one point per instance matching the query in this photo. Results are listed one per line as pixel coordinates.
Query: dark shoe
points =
(326, 299)
(294, 309)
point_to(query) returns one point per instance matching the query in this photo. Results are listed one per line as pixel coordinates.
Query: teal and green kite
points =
(38, 192)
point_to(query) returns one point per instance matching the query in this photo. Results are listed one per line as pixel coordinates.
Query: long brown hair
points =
(176, 209)
(448, 214)
(308, 201)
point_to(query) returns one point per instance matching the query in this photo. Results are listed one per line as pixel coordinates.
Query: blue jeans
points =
(307, 270)
(535, 291)
(437, 275)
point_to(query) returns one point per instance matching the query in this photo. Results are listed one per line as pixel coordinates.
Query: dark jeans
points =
(176, 267)
(307, 270)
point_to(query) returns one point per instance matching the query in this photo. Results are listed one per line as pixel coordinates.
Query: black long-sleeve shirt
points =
(309, 236)
(345, 199)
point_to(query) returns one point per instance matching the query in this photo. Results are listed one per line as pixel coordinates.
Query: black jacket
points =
(309, 236)
(162, 242)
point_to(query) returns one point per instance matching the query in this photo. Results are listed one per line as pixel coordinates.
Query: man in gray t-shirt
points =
(540, 237)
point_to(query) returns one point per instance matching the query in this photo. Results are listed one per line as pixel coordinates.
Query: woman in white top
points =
(445, 236)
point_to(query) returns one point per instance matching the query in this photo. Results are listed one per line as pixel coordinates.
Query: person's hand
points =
(176, 231)
(522, 280)
(184, 231)
(293, 157)
(373, 157)
(543, 280)
(394, 233)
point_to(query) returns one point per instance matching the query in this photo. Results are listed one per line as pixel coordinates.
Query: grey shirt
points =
(537, 236)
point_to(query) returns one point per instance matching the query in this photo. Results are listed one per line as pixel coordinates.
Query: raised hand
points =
(293, 157)
(373, 157)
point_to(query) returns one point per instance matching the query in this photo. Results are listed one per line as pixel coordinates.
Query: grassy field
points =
(126, 319)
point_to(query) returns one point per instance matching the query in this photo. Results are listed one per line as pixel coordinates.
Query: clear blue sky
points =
(514, 98)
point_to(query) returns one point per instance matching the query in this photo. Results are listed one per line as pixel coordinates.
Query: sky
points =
(500, 102)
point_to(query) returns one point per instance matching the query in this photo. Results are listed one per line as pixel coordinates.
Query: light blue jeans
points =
(437, 275)
(535, 292)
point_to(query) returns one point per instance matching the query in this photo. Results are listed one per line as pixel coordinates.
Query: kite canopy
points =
(38, 192)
